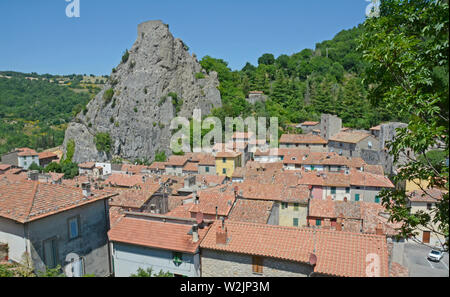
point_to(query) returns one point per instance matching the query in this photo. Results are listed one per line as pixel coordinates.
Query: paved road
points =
(415, 256)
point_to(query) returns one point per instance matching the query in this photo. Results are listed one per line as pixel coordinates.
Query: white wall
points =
(106, 168)
(12, 233)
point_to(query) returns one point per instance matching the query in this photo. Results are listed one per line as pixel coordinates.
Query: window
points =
(50, 253)
(347, 190)
(312, 168)
(257, 264)
(318, 222)
(333, 190)
(356, 197)
(295, 222)
(340, 144)
(224, 170)
(282, 157)
(177, 258)
(74, 226)
(324, 145)
(377, 199)
(284, 205)
(224, 160)
(296, 205)
(429, 206)
(207, 169)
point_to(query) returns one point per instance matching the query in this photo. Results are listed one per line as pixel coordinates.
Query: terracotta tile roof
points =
(367, 179)
(253, 211)
(208, 160)
(24, 152)
(338, 253)
(177, 161)
(309, 123)
(375, 169)
(332, 209)
(157, 166)
(28, 200)
(87, 165)
(398, 270)
(252, 190)
(155, 234)
(238, 172)
(76, 181)
(356, 162)
(124, 180)
(349, 137)
(209, 199)
(228, 154)
(181, 211)
(46, 155)
(4, 167)
(115, 214)
(134, 169)
(15, 170)
(431, 195)
(134, 198)
(210, 179)
(10, 177)
(191, 167)
(302, 139)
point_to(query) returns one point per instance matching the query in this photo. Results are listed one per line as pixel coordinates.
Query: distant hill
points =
(35, 109)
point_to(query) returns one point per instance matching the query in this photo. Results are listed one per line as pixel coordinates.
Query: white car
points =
(435, 255)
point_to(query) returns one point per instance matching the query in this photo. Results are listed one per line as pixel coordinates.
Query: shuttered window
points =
(257, 264)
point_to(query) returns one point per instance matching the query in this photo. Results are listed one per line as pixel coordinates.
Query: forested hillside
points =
(34, 112)
(300, 87)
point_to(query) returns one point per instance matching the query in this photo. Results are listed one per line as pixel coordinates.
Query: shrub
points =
(85, 110)
(107, 96)
(132, 64)
(160, 156)
(135, 109)
(199, 75)
(103, 142)
(116, 124)
(114, 70)
(125, 56)
(145, 91)
(111, 120)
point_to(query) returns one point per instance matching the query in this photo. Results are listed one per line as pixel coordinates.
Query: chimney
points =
(379, 229)
(339, 222)
(86, 188)
(221, 234)
(195, 233)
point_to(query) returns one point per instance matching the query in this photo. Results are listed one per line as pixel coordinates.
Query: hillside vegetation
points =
(300, 87)
(34, 112)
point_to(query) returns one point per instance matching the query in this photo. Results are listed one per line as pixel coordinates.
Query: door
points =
(426, 237)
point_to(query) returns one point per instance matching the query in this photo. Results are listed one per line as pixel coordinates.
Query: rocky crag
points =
(136, 106)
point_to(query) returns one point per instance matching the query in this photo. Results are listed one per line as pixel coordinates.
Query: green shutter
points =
(295, 223)
(377, 199)
(318, 222)
(333, 190)
(356, 197)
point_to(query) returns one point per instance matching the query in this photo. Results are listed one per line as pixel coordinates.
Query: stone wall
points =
(224, 264)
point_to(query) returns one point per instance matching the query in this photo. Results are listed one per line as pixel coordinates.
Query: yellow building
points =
(413, 185)
(293, 214)
(226, 162)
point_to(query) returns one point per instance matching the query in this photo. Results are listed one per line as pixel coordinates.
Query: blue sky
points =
(37, 36)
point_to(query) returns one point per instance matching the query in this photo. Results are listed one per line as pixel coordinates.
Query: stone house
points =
(314, 143)
(353, 144)
(56, 225)
(86, 168)
(46, 158)
(21, 157)
(238, 249)
(160, 243)
(309, 126)
(207, 166)
(175, 165)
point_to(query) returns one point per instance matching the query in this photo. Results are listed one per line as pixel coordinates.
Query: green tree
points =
(407, 50)
(266, 59)
(103, 142)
